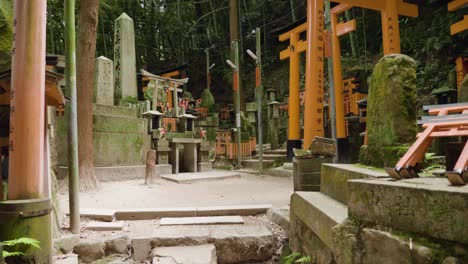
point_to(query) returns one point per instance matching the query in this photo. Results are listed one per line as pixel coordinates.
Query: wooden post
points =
(73, 170)
(150, 166)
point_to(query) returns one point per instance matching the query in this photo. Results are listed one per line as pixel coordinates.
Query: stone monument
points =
(391, 110)
(104, 81)
(124, 58)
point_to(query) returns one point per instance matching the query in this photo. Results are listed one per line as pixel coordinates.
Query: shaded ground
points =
(248, 189)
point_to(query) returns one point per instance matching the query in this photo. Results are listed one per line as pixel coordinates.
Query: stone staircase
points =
(270, 159)
(324, 224)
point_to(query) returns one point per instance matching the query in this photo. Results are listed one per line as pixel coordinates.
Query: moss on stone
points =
(391, 118)
(382, 156)
(463, 92)
(6, 33)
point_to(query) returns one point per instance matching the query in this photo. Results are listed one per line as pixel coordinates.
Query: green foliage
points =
(6, 33)
(296, 258)
(24, 242)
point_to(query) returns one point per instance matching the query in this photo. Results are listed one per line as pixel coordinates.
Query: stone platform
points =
(362, 216)
(426, 205)
(200, 176)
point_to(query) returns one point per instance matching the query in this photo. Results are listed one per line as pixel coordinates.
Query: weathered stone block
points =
(306, 173)
(428, 206)
(118, 124)
(334, 179)
(319, 212)
(104, 81)
(89, 250)
(117, 245)
(66, 243)
(391, 110)
(141, 248)
(203, 254)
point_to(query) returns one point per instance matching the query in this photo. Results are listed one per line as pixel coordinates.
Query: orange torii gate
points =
(462, 63)
(390, 10)
(296, 46)
(463, 24)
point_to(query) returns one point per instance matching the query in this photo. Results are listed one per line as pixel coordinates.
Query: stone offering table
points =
(190, 153)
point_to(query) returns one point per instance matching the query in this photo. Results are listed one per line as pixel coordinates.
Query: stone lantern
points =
(154, 119)
(274, 109)
(186, 121)
(271, 94)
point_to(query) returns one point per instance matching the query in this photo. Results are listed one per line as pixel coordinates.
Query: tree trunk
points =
(86, 49)
(150, 166)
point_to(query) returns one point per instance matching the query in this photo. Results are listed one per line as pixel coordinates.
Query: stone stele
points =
(104, 81)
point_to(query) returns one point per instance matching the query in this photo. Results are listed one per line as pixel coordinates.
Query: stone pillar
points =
(104, 81)
(391, 110)
(463, 91)
(124, 58)
(190, 157)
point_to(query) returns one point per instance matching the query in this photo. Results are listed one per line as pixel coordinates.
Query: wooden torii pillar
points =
(391, 44)
(295, 48)
(313, 106)
(27, 211)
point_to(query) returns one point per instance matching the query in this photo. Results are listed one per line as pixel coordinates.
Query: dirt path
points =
(249, 189)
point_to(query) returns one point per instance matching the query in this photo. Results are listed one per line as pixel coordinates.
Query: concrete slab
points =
(99, 226)
(234, 244)
(425, 205)
(233, 210)
(154, 213)
(319, 212)
(209, 220)
(334, 176)
(203, 254)
(201, 176)
(98, 214)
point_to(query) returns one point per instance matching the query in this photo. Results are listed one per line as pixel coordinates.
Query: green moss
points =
(381, 156)
(6, 33)
(208, 100)
(463, 95)
(391, 119)
(188, 95)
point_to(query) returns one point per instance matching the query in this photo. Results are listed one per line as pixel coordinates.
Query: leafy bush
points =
(24, 241)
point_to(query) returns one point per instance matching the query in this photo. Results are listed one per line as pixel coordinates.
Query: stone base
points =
(334, 179)
(306, 173)
(427, 206)
(162, 169)
(108, 174)
(204, 166)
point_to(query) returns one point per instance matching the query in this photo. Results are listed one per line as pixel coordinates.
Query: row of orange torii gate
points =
(316, 50)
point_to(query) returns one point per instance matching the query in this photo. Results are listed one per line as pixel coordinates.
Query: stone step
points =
(107, 215)
(280, 172)
(100, 226)
(334, 177)
(319, 212)
(280, 216)
(115, 110)
(426, 205)
(276, 151)
(119, 124)
(154, 213)
(255, 164)
(65, 259)
(208, 220)
(203, 254)
(275, 157)
(201, 176)
(235, 244)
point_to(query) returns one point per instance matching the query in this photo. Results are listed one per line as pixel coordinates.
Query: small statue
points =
(161, 132)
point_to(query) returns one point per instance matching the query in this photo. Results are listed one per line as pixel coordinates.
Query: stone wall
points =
(120, 138)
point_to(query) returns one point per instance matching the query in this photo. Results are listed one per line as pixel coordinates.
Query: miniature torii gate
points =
(390, 10)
